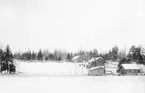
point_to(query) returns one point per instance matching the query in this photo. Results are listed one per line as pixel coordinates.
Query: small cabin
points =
(129, 69)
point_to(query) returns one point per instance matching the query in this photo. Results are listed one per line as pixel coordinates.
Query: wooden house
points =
(129, 69)
(96, 67)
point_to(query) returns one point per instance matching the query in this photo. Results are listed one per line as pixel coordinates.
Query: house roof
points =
(130, 66)
(99, 58)
(94, 59)
(75, 57)
(96, 67)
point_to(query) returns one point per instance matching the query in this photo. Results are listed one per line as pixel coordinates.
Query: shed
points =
(96, 71)
(129, 69)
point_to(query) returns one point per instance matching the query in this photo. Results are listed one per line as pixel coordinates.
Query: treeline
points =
(136, 54)
(57, 55)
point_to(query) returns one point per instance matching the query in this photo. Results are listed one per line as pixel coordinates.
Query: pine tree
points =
(39, 55)
(1, 54)
(29, 55)
(7, 61)
(95, 53)
(115, 50)
(45, 55)
(135, 54)
(33, 56)
(68, 57)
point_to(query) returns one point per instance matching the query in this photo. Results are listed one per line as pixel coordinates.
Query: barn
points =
(96, 71)
(96, 67)
(77, 59)
(129, 69)
(94, 62)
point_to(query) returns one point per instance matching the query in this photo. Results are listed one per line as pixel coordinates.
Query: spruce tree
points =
(39, 55)
(68, 57)
(1, 54)
(7, 60)
(135, 54)
(33, 57)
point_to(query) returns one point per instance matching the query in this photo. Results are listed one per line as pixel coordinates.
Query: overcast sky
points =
(72, 24)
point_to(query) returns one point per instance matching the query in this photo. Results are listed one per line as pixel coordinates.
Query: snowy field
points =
(33, 80)
(71, 84)
(57, 68)
(49, 68)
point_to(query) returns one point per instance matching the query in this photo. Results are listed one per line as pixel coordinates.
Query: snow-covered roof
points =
(75, 57)
(94, 59)
(99, 58)
(130, 66)
(96, 67)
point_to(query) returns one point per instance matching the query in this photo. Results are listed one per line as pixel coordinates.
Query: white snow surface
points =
(71, 84)
(38, 83)
(49, 68)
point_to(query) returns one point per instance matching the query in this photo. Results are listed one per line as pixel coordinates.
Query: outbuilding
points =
(96, 67)
(129, 69)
